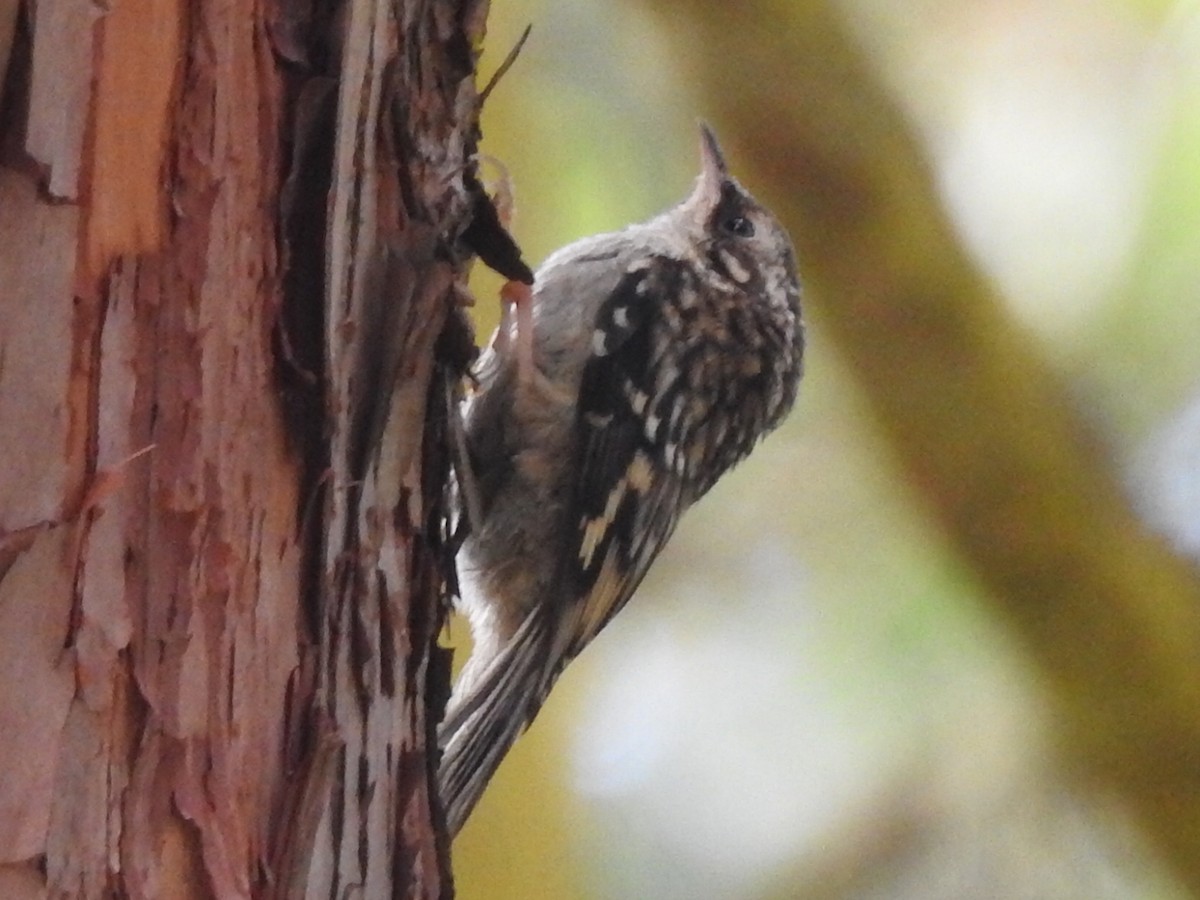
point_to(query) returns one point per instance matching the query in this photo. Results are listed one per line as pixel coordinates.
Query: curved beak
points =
(713, 175)
(712, 160)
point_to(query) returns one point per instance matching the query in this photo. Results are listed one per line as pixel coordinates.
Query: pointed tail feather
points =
(482, 724)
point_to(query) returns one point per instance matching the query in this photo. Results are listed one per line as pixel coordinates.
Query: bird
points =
(639, 367)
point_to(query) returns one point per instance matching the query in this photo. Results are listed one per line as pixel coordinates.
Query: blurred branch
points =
(969, 406)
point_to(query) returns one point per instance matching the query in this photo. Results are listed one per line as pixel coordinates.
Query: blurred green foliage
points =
(809, 607)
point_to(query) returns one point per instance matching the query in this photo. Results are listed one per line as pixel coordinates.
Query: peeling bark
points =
(230, 335)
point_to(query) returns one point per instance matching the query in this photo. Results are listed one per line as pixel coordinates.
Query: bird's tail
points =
(486, 718)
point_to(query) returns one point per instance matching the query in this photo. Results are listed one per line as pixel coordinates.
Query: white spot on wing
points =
(652, 423)
(596, 528)
(669, 452)
(599, 342)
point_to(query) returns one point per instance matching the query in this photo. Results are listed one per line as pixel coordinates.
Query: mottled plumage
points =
(660, 355)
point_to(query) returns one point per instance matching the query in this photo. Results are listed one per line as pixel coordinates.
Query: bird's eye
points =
(739, 226)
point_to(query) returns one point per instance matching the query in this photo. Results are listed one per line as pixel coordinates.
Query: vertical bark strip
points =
(393, 286)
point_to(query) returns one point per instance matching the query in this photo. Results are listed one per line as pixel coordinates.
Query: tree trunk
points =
(230, 335)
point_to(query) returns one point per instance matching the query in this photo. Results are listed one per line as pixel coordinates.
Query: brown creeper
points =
(641, 367)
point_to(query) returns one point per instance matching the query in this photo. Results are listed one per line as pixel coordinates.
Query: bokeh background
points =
(812, 695)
